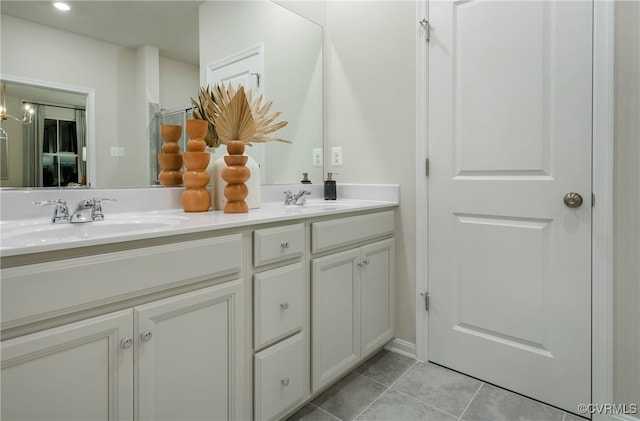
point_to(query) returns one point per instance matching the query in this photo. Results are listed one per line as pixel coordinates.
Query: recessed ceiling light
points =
(61, 6)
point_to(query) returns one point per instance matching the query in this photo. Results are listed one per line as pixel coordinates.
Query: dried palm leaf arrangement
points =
(233, 115)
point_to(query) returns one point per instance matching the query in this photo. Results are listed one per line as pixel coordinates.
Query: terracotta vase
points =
(196, 130)
(253, 198)
(196, 197)
(235, 174)
(170, 161)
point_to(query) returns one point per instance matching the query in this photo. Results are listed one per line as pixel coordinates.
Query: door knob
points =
(573, 200)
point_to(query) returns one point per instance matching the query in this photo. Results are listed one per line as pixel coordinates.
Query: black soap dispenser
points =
(330, 187)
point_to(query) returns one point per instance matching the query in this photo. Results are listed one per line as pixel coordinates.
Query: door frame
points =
(602, 186)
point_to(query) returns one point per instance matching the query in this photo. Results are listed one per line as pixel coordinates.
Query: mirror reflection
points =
(130, 66)
(49, 148)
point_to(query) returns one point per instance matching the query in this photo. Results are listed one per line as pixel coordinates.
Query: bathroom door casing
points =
(510, 129)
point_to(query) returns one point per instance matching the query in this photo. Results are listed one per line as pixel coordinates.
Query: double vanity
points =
(154, 313)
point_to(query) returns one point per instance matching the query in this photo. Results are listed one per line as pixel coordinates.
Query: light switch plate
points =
(336, 156)
(317, 157)
(117, 151)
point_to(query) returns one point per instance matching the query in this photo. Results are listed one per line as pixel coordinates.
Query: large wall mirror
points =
(131, 65)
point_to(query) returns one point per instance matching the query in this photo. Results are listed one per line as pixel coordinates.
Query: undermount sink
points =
(40, 233)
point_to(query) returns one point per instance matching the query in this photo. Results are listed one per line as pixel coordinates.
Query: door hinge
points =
(425, 25)
(425, 295)
(426, 167)
(593, 200)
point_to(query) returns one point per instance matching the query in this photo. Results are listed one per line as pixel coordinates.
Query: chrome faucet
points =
(299, 198)
(61, 211)
(86, 211)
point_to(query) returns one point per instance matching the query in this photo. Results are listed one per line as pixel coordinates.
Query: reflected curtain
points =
(81, 136)
(32, 140)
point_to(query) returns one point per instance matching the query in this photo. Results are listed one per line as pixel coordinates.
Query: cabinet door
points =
(378, 295)
(335, 316)
(191, 355)
(80, 371)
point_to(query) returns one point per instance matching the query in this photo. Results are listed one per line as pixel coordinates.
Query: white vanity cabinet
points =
(353, 293)
(280, 320)
(177, 357)
(247, 321)
(79, 371)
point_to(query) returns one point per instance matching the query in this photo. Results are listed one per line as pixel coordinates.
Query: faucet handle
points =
(288, 197)
(51, 202)
(301, 197)
(97, 206)
(61, 211)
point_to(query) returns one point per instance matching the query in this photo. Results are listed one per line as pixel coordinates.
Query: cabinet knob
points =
(284, 244)
(284, 305)
(363, 263)
(146, 336)
(284, 381)
(126, 343)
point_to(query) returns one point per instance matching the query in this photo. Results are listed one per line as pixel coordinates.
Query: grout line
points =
(415, 363)
(387, 387)
(325, 411)
(469, 404)
(425, 403)
(372, 402)
(392, 383)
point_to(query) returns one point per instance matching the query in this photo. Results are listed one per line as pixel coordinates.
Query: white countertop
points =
(19, 236)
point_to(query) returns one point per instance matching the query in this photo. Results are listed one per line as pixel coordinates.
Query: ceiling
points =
(171, 26)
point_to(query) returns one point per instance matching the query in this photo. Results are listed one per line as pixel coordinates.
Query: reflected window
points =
(59, 153)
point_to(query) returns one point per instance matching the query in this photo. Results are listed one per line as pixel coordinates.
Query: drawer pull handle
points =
(146, 336)
(126, 343)
(284, 305)
(284, 244)
(284, 381)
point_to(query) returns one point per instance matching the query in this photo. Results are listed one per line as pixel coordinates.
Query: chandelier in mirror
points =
(27, 115)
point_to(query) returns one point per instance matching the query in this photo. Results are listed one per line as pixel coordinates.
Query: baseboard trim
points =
(402, 347)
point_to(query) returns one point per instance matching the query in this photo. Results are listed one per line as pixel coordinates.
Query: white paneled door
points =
(510, 101)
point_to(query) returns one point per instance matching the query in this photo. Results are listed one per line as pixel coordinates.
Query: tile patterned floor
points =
(392, 387)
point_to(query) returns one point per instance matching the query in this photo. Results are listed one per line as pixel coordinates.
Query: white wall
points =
(627, 205)
(370, 111)
(178, 83)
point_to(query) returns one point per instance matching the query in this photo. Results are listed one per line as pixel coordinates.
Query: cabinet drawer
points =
(280, 378)
(326, 235)
(275, 244)
(279, 303)
(36, 292)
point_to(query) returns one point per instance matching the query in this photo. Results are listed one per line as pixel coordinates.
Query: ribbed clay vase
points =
(235, 174)
(196, 197)
(170, 160)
